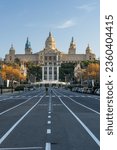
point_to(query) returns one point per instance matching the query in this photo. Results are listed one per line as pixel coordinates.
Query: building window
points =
(45, 70)
(50, 58)
(10, 57)
(50, 77)
(55, 76)
(50, 70)
(54, 57)
(45, 57)
(45, 77)
(55, 70)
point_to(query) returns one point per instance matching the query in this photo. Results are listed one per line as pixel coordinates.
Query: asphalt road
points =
(59, 120)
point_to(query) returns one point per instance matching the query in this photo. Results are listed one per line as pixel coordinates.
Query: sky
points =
(20, 19)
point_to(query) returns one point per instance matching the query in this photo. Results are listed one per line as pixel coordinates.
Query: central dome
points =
(50, 42)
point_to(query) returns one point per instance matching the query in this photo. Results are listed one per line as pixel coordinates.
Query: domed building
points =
(50, 58)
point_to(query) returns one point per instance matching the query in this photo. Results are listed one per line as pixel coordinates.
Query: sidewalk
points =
(9, 91)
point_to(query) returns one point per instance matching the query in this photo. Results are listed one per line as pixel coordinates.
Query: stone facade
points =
(50, 49)
(50, 58)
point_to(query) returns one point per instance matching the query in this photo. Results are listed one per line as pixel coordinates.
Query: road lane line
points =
(21, 148)
(50, 103)
(48, 146)
(48, 131)
(16, 124)
(49, 116)
(82, 105)
(5, 99)
(15, 106)
(83, 125)
(49, 122)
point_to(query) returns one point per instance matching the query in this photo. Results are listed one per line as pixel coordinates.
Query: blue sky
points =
(35, 18)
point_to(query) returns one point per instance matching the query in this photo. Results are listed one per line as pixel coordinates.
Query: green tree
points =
(34, 70)
(66, 71)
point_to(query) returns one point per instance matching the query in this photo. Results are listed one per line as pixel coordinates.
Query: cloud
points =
(87, 7)
(66, 24)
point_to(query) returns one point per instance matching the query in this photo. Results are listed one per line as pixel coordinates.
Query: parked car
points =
(89, 91)
(98, 92)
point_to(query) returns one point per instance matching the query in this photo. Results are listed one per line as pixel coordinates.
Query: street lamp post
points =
(1, 81)
(12, 85)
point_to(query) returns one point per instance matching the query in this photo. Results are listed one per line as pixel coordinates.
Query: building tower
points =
(28, 49)
(89, 54)
(72, 48)
(11, 53)
(88, 50)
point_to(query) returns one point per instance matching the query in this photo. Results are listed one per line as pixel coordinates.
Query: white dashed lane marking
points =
(48, 131)
(49, 122)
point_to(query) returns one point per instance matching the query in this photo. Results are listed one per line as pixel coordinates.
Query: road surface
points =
(58, 120)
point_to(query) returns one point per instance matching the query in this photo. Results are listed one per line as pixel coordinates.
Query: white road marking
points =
(35, 95)
(96, 97)
(84, 106)
(49, 122)
(15, 106)
(50, 103)
(14, 126)
(48, 131)
(83, 125)
(83, 96)
(49, 112)
(21, 148)
(5, 99)
(57, 104)
(81, 104)
(48, 146)
(49, 116)
(43, 104)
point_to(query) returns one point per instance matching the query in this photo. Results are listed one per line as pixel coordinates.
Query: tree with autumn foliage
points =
(11, 73)
(93, 71)
(90, 72)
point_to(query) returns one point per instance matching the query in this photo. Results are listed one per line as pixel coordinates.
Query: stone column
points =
(52, 73)
(47, 73)
(57, 73)
(42, 73)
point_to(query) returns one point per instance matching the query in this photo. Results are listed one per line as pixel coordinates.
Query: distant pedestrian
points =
(46, 90)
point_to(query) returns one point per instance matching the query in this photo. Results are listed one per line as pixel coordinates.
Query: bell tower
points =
(28, 49)
(12, 53)
(72, 48)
